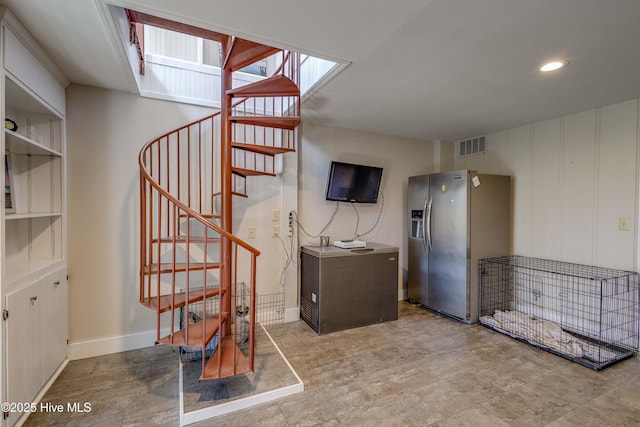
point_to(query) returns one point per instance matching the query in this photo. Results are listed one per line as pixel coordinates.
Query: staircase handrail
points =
(192, 213)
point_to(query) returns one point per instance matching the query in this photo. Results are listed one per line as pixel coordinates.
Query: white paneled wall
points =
(195, 85)
(172, 44)
(578, 188)
(174, 80)
(617, 182)
(520, 166)
(574, 178)
(545, 190)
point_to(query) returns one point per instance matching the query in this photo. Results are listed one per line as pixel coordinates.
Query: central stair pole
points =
(226, 192)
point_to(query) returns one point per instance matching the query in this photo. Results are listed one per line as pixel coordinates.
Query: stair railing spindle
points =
(234, 314)
(178, 167)
(157, 234)
(187, 276)
(176, 213)
(252, 315)
(204, 292)
(200, 157)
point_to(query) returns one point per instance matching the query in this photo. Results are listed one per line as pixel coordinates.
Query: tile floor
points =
(421, 370)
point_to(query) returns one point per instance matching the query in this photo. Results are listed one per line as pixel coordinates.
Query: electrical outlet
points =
(290, 227)
(623, 224)
(275, 215)
(275, 230)
(251, 232)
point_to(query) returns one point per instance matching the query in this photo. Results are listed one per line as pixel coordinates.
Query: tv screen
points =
(353, 183)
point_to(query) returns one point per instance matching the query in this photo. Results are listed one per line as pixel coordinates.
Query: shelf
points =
(24, 99)
(17, 216)
(20, 144)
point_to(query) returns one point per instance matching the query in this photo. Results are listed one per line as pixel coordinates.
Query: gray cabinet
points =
(348, 288)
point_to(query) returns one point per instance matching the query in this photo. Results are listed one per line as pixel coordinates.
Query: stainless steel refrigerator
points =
(456, 218)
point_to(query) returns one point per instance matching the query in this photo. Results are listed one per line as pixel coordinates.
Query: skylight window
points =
(185, 68)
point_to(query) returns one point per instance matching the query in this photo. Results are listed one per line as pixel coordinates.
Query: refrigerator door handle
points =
(428, 221)
(424, 225)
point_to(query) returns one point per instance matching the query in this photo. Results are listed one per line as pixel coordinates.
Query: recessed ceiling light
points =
(553, 65)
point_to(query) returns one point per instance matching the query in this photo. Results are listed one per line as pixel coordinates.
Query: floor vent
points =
(309, 313)
(472, 146)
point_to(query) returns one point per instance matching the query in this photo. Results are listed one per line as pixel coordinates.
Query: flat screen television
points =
(353, 183)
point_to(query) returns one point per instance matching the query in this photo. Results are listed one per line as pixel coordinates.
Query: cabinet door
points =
(54, 322)
(23, 350)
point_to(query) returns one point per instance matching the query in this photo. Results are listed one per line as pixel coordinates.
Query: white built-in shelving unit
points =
(33, 261)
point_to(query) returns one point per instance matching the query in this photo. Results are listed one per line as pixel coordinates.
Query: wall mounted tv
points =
(353, 183)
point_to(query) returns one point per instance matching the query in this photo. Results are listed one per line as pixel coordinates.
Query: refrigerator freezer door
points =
(448, 270)
(418, 262)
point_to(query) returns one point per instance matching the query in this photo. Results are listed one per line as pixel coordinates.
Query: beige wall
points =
(400, 158)
(574, 177)
(105, 132)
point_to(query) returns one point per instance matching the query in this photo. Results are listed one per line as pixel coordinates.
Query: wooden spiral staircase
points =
(190, 261)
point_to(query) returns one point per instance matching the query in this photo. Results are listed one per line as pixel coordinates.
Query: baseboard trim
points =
(292, 314)
(100, 347)
(103, 346)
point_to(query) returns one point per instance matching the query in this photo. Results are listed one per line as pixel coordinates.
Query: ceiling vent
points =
(472, 146)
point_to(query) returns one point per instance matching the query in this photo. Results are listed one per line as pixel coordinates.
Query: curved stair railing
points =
(190, 262)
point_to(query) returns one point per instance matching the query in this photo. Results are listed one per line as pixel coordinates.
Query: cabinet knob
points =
(34, 298)
(56, 283)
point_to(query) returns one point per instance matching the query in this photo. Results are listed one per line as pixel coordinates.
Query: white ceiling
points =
(428, 69)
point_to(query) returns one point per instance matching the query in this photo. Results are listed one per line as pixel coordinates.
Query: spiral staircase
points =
(199, 278)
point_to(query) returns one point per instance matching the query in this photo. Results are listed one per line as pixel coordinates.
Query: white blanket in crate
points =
(546, 333)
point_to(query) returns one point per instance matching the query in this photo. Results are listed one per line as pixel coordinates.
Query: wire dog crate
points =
(269, 313)
(583, 313)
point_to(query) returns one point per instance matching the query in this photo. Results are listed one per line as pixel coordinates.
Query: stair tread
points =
(168, 267)
(267, 150)
(250, 172)
(289, 122)
(227, 366)
(204, 215)
(163, 303)
(236, 193)
(193, 336)
(277, 85)
(245, 52)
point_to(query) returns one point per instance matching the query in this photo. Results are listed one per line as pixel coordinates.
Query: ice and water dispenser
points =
(416, 224)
